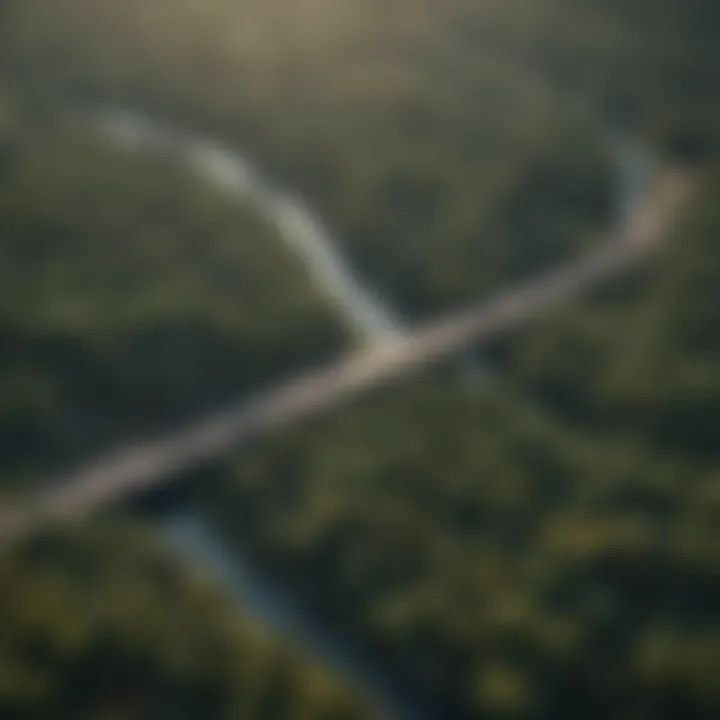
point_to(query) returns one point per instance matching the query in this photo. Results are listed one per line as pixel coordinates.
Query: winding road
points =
(150, 464)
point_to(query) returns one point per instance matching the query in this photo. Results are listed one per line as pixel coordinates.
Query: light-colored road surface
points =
(147, 465)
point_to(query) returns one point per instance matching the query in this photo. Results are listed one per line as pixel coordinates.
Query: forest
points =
(539, 547)
(532, 536)
(107, 623)
(117, 315)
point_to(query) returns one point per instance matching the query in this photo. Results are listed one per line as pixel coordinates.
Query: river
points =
(391, 698)
(302, 230)
(367, 315)
(363, 312)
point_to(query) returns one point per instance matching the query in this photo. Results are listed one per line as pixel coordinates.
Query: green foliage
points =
(103, 623)
(640, 357)
(132, 295)
(445, 166)
(543, 546)
(499, 557)
(425, 132)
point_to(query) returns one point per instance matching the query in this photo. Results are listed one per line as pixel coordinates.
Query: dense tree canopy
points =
(437, 160)
(105, 623)
(539, 544)
(131, 295)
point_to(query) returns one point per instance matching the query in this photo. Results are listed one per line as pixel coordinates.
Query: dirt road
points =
(147, 465)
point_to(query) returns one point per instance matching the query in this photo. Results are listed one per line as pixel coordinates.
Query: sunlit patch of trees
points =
(106, 623)
(540, 544)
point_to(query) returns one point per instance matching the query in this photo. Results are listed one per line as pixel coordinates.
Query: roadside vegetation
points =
(132, 295)
(106, 623)
(537, 544)
(542, 544)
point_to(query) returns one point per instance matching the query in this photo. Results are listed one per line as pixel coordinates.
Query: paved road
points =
(150, 464)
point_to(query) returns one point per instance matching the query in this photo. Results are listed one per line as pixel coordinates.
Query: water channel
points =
(367, 315)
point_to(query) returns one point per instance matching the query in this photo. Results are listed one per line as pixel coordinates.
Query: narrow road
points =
(147, 465)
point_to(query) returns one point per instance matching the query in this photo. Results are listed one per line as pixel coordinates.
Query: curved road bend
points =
(149, 464)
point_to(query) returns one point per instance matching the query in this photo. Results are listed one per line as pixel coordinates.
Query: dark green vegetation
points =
(442, 140)
(105, 624)
(445, 168)
(640, 359)
(544, 547)
(131, 296)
